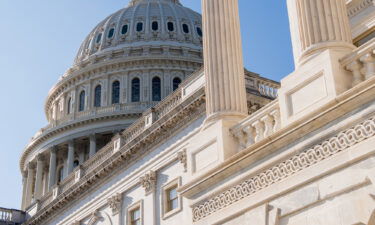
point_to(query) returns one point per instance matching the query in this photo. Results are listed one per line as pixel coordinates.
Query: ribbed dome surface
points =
(144, 22)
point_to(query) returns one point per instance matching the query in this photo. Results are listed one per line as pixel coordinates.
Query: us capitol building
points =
(158, 123)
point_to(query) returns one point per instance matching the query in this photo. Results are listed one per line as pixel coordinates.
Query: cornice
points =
(356, 6)
(70, 126)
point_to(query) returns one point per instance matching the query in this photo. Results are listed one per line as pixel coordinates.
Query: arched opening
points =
(116, 92)
(176, 83)
(199, 32)
(99, 38)
(185, 28)
(98, 96)
(75, 163)
(111, 32)
(156, 89)
(124, 29)
(135, 97)
(139, 27)
(82, 97)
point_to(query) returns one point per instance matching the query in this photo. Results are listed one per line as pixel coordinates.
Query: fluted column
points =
(38, 190)
(223, 62)
(29, 184)
(52, 168)
(92, 145)
(317, 25)
(70, 160)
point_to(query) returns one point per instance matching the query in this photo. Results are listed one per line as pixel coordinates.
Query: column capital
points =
(40, 157)
(31, 166)
(53, 149)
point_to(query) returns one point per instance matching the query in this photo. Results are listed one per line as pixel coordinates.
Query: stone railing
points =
(259, 125)
(268, 89)
(11, 216)
(361, 62)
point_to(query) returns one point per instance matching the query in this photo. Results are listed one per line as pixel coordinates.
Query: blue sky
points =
(40, 38)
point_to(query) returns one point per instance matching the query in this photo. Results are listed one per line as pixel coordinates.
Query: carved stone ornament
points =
(95, 216)
(148, 181)
(114, 203)
(182, 157)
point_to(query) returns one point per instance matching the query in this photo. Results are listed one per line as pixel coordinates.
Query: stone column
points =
(24, 186)
(70, 160)
(38, 190)
(52, 168)
(223, 62)
(92, 145)
(317, 25)
(29, 184)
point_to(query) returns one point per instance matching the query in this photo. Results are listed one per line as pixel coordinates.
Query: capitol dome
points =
(144, 22)
(130, 62)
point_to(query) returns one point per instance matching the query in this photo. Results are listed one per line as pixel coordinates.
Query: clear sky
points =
(39, 40)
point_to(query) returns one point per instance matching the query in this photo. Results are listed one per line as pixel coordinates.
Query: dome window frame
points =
(111, 33)
(171, 26)
(199, 31)
(98, 38)
(135, 89)
(155, 26)
(98, 95)
(124, 27)
(185, 28)
(139, 26)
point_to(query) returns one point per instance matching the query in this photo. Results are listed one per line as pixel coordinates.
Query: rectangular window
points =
(172, 198)
(172, 202)
(135, 216)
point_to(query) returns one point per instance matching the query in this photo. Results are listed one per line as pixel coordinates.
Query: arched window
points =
(155, 26)
(111, 32)
(124, 29)
(60, 174)
(170, 26)
(98, 96)
(199, 32)
(82, 97)
(75, 163)
(176, 82)
(139, 26)
(156, 89)
(136, 86)
(185, 28)
(69, 105)
(116, 92)
(99, 38)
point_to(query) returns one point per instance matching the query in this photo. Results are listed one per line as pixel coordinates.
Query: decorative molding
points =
(115, 203)
(95, 217)
(281, 171)
(148, 182)
(182, 157)
(76, 223)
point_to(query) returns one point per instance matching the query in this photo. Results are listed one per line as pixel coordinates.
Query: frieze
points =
(297, 163)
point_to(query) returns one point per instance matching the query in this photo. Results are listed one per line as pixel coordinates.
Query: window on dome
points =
(139, 27)
(199, 32)
(176, 83)
(82, 97)
(69, 105)
(124, 29)
(170, 26)
(75, 163)
(116, 92)
(156, 89)
(185, 28)
(111, 33)
(98, 96)
(136, 90)
(155, 26)
(99, 38)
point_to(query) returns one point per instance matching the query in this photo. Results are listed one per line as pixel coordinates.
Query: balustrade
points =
(361, 62)
(258, 126)
(11, 216)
